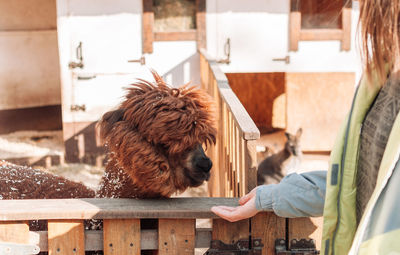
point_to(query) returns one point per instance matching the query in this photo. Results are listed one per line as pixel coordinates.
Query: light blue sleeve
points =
(297, 195)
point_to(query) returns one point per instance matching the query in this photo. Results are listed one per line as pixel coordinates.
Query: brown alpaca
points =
(154, 140)
(273, 168)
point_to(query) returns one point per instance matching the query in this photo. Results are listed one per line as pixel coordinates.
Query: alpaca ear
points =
(299, 132)
(108, 120)
(287, 135)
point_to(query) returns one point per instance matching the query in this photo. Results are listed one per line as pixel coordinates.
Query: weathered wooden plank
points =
(294, 29)
(66, 237)
(346, 26)
(14, 232)
(176, 236)
(175, 36)
(321, 34)
(310, 228)
(268, 227)
(230, 232)
(148, 239)
(103, 208)
(147, 26)
(201, 37)
(121, 236)
(251, 165)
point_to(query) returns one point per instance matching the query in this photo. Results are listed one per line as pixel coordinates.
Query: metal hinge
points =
(296, 247)
(18, 249)
(241, 247)
(77, 107)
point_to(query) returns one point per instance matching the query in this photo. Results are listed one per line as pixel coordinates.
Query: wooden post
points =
(230, 232)
(310, 228)
(176, 236)
(147, 26)
(121, 236)
(14, 232)
(268, 227)
(66, 237)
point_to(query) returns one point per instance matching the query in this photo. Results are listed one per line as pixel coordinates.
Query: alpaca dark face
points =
(198, 167)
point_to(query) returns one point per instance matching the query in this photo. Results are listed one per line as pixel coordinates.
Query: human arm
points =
(297, 195)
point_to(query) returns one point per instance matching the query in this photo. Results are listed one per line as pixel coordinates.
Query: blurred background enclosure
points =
(63, 63)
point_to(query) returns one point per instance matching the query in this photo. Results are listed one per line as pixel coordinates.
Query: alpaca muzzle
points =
(203, 164)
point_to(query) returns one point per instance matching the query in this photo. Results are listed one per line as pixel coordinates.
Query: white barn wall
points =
(259, 31)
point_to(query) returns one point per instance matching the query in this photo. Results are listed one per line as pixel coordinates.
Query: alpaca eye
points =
(194, 122)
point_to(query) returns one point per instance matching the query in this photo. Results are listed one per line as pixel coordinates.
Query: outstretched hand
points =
(246, 209)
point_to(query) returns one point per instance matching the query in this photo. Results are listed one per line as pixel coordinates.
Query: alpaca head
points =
(157, 135)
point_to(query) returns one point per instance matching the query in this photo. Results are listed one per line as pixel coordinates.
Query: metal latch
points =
(18, 249)
(241, 247)
(296, 247)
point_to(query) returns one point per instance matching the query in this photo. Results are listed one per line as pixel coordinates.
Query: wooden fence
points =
(234, 155)
(121, 231)
(234, 175)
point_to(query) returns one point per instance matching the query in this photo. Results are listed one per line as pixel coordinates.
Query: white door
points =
(97, 39)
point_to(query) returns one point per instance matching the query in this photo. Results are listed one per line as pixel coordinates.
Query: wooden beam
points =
(175, 36)
(321, 34)
(176, 236)
(66, 237)
(201, 35)
(294, 30)
(346, 27)
(147, 26)
(103, 208)
(121, 236)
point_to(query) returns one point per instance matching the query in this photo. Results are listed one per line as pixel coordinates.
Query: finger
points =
(227, 208)
(241, 212)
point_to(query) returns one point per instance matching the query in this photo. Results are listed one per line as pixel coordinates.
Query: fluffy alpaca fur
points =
(154, 141)
(21, 182)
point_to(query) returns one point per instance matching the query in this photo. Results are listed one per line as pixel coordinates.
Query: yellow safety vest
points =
(376, 233)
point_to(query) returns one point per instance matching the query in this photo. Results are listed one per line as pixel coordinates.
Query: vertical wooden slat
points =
(251, 165)
(237, 161)
(201, 24)
(230, 153)
(176, 236)
(147, 26)
(268, 227)
(230, 232)
(225, 150)
(346, 27)
(243, 182)
(14, 231)
(121, 236)
(66, 237)
(309, 228)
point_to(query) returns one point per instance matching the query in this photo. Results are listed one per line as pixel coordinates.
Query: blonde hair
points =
(379, 23)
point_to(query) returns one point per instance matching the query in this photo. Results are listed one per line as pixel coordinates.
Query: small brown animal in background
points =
(273, 168)
(155, 139)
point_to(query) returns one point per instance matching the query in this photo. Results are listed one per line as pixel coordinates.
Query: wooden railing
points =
(234, 155)
(121, 232)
